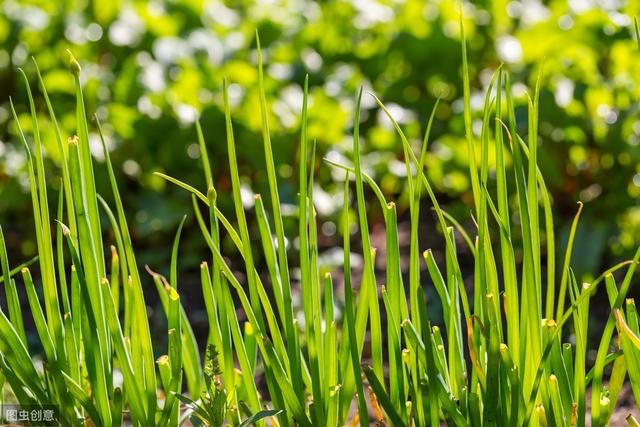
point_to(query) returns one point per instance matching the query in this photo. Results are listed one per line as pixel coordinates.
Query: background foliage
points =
(151, 68)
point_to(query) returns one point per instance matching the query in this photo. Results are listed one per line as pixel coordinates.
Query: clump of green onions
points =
(497, 358)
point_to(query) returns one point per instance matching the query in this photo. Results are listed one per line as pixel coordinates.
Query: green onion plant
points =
(499, 356)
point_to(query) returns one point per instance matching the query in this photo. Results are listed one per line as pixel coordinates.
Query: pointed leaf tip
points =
(212, 195)
(65, 230)
(74, 65)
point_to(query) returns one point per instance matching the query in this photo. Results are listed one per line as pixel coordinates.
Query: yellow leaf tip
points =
(212, 195)
(74, 65)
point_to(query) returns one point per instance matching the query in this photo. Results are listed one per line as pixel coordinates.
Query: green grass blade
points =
(350, 321)
(140, 333)
(72, 348)
(631, 420)
(87, 261)
(396, 308)
(279, 226)
(81, 396)
(86, 166)
(118, 267)
(556, 402)
(219, 215)
(38, 317)
(471, 150)
(15, 352)
(45, 246)
(581, 323)
(509, 275)
(13, 303)
(251, 396)
(134, 392)
(311, 307)
(66, 181)
(15, 270)
(190, 352)
(62, 275)
(567, 262)
(240, 215)
(603, 348)
(383, 398)
(270, 255)
(530, 315)
(369, 278)
(630, 344)
(206, 165)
